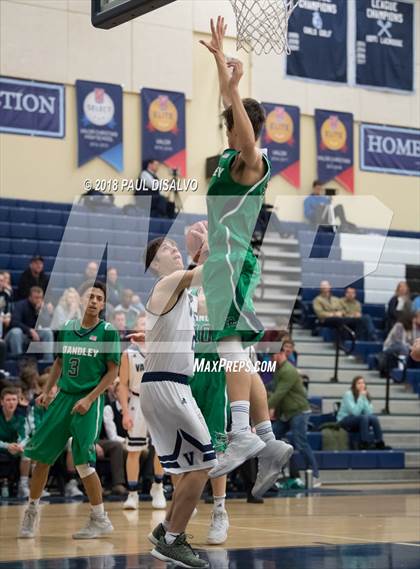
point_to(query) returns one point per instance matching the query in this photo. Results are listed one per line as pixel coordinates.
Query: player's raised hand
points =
(44, 400)
(137, 337)
(82, 406)
(237, 72)
(215, 46)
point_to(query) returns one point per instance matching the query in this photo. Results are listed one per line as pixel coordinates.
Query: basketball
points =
(193, 241)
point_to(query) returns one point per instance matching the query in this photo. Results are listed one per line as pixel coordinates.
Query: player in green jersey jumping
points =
(87, 361)
(232, 273)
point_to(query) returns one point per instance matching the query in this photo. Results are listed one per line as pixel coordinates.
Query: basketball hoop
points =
(262, 24)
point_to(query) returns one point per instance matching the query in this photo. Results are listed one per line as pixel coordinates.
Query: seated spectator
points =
(90, 274)
(5, 317)
(127, 307)
(26, 314)
(8, 283)
(399, 306)
(32, 276)
(137, 303)
(119, 323)
(356, 415)
(68, 308)
(326, 305)
(160, 206)
(114, 287)
(318, 210)
(290, 408)
(353, 309)
(399, 339)
(12, 434)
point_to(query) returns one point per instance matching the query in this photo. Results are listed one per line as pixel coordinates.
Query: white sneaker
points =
(242, 445)
(72, 490)
(96, 526)
(158, 497)
(132, 501)
(23, 490)
(316, 482)
(219, 526)
(45, 494)
(29, 522)
(270, 463)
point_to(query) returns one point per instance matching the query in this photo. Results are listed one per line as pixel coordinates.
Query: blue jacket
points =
(311, 203)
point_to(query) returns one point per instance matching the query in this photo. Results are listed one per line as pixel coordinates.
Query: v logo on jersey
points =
(189, 457)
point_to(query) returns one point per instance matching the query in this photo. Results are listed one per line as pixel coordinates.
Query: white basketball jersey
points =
(170, 337)
(135, 368)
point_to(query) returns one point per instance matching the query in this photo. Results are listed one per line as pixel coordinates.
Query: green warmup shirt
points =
(11, 431)
(232, 272)
(85, 353)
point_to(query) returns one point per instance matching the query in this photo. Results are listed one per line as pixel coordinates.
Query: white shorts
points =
(137, 435)
(176, 425)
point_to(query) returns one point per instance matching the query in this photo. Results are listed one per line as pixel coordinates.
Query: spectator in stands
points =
(356, 415)
(160, 206)
(119, 322)
(91, 271)
(26, 314)
(68, 308)
(5, 317)
(325, 305)
(8, 283)
(114, 287)
(34, 275)
(289, 350)
(127, 307)
(400, 338)
(352, 308)
(318, 210)
(399, 306)
(289, 405)
(137, 303)
(12, 431)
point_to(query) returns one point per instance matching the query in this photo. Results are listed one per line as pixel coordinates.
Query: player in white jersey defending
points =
(176, 424)
(131, 373)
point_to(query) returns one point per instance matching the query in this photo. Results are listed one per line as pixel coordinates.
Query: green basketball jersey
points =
(233, 208)
(84, 354)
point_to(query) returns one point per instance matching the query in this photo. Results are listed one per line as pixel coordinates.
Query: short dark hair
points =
(151, 250)
(9, 391)
(92, 284)
(316, 183)
(37, 289)
(255, 112)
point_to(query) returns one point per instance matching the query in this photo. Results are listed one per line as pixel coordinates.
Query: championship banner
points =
(385, 46)
(281, 137)
(99, 122)
(334, 142)
(317, 38)
(391, 150)
(32, 108)
(163, 128)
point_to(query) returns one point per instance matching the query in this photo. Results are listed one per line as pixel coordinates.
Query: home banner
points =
(281, 137)
(385, 47)
(392, 150)
(31, 107)
(334, 141)
(99, 122)
(163, 128)
(317, 38)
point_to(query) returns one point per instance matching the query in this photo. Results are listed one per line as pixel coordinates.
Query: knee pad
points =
(85, 470)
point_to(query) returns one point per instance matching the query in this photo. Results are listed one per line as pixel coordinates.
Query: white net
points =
(262, 24)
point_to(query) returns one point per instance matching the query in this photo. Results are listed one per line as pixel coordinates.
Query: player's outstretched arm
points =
(250, 154)
(215, 46)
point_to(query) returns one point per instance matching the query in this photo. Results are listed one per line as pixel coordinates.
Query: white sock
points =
(165, 524)
(265, 431)
(98, 511)
(170, 537)
(219, 503)
(34, 502)
(240, 416)
(24, 480)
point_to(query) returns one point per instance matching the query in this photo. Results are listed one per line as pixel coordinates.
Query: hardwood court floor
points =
(366, 515)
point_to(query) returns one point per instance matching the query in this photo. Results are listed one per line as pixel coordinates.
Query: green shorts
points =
(229, 286)
(209, 391)
(50, 439)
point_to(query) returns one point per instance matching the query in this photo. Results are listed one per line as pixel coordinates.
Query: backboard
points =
(110, 13)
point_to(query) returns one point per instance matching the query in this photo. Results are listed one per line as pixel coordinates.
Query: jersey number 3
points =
(73, 367)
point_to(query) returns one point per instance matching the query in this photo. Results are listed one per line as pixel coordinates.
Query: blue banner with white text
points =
(163, 128)
(33, 108)
(385, 46)
(317, 36)
(389, 149)
(99, 122)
